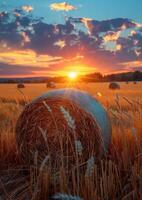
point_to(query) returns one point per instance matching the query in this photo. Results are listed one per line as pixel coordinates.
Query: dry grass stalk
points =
(117, 176)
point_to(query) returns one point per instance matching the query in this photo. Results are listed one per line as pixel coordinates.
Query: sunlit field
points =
(131, 90)
(116, 176)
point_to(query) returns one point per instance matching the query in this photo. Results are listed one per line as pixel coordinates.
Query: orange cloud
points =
(138, 25)
(88, 24)
(112, 36)
(16, 14)
(132, 64)
(27, 8)
(26, 38)
(28, 58)
(118, 47)
(60, 43)
(62, 6)
(53, 65)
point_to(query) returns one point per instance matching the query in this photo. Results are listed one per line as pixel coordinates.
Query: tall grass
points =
(116, 176)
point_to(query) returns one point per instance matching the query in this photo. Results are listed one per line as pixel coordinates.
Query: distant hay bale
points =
(56, 125)
(50, 85)
(114, 86)
(20, 85)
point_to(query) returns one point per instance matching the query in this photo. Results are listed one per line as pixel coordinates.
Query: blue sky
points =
(97, 9)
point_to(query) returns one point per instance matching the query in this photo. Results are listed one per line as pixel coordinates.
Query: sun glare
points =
(72, 75)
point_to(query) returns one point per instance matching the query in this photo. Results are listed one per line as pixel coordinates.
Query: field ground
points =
(133, 91)
(118, 176)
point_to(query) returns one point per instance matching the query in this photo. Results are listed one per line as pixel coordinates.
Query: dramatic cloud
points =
(15, 70)
(28, 58)
(86, 44)
(132, 64)
(62, 7)
(95, 26)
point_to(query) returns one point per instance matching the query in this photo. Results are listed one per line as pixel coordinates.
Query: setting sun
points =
(72, 75)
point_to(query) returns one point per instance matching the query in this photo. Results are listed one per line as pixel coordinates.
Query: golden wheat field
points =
(117, 176)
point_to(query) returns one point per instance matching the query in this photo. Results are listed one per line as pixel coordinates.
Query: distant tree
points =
(95, 77)
(123, 77)
(137, 76)
(111, 77)
(99, 76)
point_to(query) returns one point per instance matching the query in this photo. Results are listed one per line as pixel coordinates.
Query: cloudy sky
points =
(51, 38)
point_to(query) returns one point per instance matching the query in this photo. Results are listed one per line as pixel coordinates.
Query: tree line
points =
(95, 77)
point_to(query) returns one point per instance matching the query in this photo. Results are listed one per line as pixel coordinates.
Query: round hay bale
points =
(114, 86)
(60, 124)
(20, 86)
(87, 103)
(50, 85)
